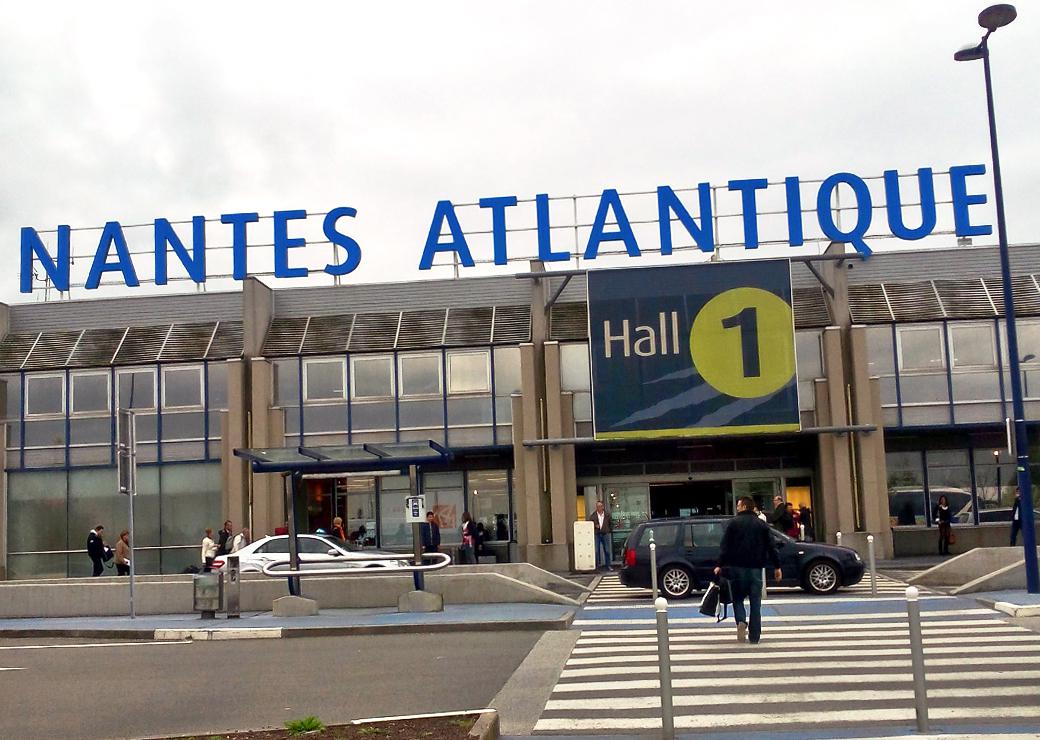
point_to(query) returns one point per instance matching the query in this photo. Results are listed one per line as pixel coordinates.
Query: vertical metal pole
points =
(1025, 485)
(294, 553)
(413, 490)
(913, 610)
(664, 661)
(653, 565)
(838, 535)
(873, 565)
(133, 556)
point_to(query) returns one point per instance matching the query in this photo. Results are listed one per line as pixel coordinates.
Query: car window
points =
(664, 534)
(703, 534)
(314, 546)
(276, 546)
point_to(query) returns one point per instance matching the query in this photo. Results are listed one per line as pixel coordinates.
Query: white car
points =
(315, 550)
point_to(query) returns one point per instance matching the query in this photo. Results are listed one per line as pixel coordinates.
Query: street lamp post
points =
(992, 18)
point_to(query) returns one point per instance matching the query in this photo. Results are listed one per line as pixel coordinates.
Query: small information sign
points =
(415, 509)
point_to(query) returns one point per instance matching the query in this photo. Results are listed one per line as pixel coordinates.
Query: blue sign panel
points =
(693, 350)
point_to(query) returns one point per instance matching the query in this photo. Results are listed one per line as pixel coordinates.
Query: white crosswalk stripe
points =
(830, 667)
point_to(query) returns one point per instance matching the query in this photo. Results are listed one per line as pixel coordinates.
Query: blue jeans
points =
(602, 549)
(746, 583)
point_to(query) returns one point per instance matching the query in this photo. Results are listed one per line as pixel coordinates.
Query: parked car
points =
(688, 551)
(315, 550)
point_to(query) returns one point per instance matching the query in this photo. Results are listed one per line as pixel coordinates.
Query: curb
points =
(485, 728)
(1012, 610)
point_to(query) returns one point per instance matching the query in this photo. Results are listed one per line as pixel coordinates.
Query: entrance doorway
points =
(691, 498)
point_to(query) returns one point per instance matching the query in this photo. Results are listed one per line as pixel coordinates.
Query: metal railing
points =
(363, 570)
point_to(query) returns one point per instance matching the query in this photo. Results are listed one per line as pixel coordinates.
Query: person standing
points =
(209, 551)
(240, 541)
(431, 534)
(225, 538)
(780, 519)
(747, 547)
(469, 540)
(123, 553)
(1016, 517)
(602, 527)
(337, 530)
(97, 551)
(942, 517)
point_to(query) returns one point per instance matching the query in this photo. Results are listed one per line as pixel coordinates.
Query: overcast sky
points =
(132, 111)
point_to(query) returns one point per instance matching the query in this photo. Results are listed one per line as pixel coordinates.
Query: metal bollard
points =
(913, 610)
(838, 535)
(653, 566)
(873, 565)
(233, 592)
(664, 660)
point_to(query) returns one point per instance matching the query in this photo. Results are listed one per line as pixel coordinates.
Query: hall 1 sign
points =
(695, 350)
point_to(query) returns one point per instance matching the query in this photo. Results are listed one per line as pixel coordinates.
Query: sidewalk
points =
(463, 617)
(1015, 603)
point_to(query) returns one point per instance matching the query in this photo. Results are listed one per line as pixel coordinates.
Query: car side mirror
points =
(335, 553)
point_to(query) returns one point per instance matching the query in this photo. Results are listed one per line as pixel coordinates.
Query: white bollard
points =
(653, 565)
(839, 538)
(664, 660)
(801, 532)
(913, 610)
(873, 565)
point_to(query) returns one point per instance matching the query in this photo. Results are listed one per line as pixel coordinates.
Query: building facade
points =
(902, 373)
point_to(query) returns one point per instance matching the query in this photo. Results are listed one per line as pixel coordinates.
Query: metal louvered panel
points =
(913, 301)
(227, 342)
(374, 331)
(468, 326)
(868, 305)
(512, 325)
(569, 321)
(142, 345)
(187, 341)
(284, 336)
(810, 308)
(964, 299)
(424, 328)
(96, 347)
(327, 334)
(14, 349)
(52, 350)
(1023, 290)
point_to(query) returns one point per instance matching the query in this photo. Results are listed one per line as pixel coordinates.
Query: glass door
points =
(761, 490)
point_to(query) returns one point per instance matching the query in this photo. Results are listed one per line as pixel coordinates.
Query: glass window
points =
(995, 483)
(1028, 340)
(191, 501)
(89, 392)
(322, 380)
(664, 535)
(575, 374)
(182, 386)
(905, 488)
(973, 345)
(44, 394)
(313, 546)
(286, 382)
(13, 389)
(950, 476)
(468, 372)
(879, 350)
(420, 374)
(216, 377)
(277, 546)
(394, 532)
(136, 389)
(507, 370)
(920, 348)
(704, 534)
(372, 377)
(444, 498)
(37, 514)
(809, 353)
(489, 502)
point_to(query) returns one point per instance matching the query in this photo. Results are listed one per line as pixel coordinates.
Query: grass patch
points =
(307, 724)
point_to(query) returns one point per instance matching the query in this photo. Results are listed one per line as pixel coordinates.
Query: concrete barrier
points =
(526, 573)
(1009, 577)
(968, 567)
(87, 597)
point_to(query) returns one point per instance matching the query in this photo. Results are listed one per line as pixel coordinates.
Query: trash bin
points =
(233, 596)
(208, 593)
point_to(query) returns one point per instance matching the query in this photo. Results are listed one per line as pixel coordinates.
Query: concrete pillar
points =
(558, 491)
(569, 470)
(268, 509)
(3, 491)
(838, 494)
(235, 470)
(257, 311)
(836, 275)
(531, 459)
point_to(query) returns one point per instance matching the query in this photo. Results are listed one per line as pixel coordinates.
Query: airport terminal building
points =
(901, 373)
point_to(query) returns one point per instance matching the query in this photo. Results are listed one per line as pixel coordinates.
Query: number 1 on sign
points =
(747, 323)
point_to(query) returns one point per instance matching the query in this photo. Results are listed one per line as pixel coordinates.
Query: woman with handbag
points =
(123, 553)
(469, 540)
(943, 516)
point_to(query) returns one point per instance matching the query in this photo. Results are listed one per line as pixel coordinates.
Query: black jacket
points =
(780, 519)
(748, 543)
(95, 546)
(941, 515)
(224, 541)
(431, 536)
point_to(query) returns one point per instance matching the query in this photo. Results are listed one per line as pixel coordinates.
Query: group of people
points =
(789, 520)
(227, 542)
(472, 537)
(100, 553)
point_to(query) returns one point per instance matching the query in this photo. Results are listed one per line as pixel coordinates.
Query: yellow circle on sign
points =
(742, 342)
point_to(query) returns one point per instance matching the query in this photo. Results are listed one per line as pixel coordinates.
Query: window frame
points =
(921, 328)
(486, 354)
(954, 365)
(354, 359)
(306, 385)
(402, 357)
(130, 370)
(41, 376)
(202, 386)
(73, 411)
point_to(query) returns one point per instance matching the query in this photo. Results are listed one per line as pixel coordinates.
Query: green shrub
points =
(307, 724)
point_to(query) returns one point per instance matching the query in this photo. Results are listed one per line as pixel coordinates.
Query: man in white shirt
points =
(240, 541)
(601, 524)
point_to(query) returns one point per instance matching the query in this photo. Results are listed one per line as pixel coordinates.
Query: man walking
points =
(97, 551)
(747, 547)
(601, 524)
(1016, 516)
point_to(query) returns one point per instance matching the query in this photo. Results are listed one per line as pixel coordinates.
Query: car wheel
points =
(676, 582)
(821, 577)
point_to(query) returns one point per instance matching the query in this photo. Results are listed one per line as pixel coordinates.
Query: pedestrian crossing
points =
(836, 666)
(611, 590)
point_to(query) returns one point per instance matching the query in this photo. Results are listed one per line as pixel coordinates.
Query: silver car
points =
(316, 551)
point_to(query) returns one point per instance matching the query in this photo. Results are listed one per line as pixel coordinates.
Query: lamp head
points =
(970, 53)
(997, 16)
